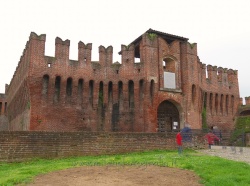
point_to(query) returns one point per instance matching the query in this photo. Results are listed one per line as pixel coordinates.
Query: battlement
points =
(55, 92)
(219, 74)
(247, 100)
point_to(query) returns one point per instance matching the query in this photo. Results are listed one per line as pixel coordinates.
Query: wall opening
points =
(137, 55)
(1, 105)
(245, 113)
(211, 103)
(131, 94)
(100, 95)
(101, 110)
(193, 93)
(152, 89)
(110, 92)
(91, 92)
(120, 92)
(5, 107)
(169, 75)
(80, 90)
(227, 100)
(69, 87)
(45, 85)
(141, 90)
(167, 117)
(232, 103)
(216, 103)
(221, 103)
(57, 89)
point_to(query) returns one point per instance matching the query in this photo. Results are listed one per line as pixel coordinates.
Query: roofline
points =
(158, 33)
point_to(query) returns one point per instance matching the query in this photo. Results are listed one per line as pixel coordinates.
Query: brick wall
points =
(23, 145)
(59, 94)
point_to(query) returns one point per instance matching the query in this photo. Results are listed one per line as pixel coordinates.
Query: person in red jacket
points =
(211, 138)
(179, 142)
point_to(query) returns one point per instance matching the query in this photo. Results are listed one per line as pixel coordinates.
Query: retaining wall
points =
(24, 145)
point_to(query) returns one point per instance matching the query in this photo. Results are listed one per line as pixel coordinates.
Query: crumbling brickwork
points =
(168, 87)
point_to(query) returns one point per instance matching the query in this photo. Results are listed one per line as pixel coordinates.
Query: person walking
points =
(217, 133)
(179, 142)
(211, 138)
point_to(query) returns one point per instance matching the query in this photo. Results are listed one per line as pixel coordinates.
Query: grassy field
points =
(212, 170)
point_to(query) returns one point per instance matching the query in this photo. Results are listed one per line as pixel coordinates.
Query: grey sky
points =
(220, 27)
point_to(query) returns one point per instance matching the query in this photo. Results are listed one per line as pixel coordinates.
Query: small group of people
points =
(212, 137)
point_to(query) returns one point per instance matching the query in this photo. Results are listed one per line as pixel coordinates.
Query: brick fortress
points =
(159, 85)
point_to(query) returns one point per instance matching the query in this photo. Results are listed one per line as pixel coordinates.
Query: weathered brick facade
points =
(168, 87)
(3, 117)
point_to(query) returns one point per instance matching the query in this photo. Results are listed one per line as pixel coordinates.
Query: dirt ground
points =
(135, 175)
(118, 175)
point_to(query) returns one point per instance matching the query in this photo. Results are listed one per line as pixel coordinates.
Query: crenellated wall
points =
(80, 102)
(55, 93)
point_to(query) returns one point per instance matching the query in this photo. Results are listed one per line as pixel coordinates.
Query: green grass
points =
(212, 170)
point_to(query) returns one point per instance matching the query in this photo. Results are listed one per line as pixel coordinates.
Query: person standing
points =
(179, 142)
(186, 133)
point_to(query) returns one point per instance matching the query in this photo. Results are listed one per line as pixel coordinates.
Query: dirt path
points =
(118, 175)
(135, 175)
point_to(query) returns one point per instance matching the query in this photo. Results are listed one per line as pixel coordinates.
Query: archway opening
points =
(168, 117)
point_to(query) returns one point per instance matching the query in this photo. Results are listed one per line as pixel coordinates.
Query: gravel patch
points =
(241, 154)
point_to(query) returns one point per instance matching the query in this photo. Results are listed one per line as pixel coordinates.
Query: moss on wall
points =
(243, 123)
(204, 119)
(242, 127)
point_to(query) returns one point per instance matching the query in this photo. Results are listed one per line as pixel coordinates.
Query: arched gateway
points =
(167, 116)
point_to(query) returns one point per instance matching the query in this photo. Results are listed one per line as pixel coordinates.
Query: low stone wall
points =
(24, 145)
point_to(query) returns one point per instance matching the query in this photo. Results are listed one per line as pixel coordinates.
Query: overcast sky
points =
(221, 28)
